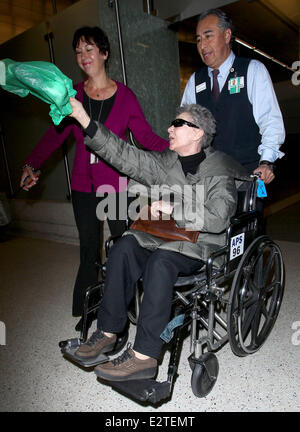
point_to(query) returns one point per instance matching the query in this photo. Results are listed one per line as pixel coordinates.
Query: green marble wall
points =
(151, 59)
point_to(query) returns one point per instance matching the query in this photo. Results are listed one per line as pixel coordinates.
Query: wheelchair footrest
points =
(69, 348)
(144, 389)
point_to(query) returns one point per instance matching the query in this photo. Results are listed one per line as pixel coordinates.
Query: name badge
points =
(235, 84)
(201, 87)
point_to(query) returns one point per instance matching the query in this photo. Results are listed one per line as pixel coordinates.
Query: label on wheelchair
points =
(237, 246)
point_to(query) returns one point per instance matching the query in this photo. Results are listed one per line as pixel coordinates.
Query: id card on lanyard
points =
(235, 84)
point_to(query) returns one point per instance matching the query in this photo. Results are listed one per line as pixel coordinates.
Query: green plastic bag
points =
(43, 80)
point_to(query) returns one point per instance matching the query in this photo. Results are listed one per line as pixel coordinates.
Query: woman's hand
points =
(79, 113)
(161, 206)
(33, 179)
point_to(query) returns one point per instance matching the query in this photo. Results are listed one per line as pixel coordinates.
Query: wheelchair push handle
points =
(256, 175)
(261, 190)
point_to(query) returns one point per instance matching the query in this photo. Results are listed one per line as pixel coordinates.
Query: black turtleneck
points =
(191, 163)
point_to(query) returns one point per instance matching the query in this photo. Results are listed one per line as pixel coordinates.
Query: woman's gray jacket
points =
(204, 201)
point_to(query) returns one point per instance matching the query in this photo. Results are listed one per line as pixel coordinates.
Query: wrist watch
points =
(265, 162)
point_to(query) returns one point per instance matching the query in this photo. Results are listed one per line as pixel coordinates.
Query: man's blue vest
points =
(237, 132)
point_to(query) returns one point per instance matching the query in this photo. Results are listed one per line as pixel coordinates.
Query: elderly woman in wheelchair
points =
(204, 187)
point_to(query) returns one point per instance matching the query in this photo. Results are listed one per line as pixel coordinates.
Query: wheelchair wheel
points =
(255, 296)
(205, 373)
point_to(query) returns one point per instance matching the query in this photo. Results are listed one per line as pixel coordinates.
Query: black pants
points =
(127, 262)
(89, 228)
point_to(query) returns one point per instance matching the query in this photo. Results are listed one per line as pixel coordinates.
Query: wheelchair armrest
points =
(109, 240)
(242, 218)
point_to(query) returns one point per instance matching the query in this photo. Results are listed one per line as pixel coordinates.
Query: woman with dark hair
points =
(116, 106)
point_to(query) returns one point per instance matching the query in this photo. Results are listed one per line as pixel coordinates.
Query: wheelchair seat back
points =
(246, 200)
(244, 225)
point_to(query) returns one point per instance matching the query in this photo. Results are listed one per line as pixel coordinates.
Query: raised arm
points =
(138, 164)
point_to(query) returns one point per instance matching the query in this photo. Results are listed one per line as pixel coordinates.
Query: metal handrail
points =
(259, 51)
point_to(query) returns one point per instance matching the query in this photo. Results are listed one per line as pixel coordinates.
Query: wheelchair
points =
(234, 297)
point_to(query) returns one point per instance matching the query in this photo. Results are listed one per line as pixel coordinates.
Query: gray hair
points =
(224, 21)
(202, 118)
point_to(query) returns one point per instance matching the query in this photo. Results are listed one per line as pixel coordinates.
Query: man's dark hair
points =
(224, 21)
(92, 34)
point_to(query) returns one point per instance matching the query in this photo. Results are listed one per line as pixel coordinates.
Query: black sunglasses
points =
(180, 122)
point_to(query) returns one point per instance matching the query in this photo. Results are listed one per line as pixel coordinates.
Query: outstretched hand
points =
(28, 178)
(79, 113)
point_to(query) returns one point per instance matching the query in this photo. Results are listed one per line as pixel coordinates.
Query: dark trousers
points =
(89, 229)
(127, 262)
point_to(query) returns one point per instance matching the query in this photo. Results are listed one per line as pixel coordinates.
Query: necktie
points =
(215, 87)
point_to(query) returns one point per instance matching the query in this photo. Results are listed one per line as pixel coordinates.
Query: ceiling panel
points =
(287, 8)
(17, 16)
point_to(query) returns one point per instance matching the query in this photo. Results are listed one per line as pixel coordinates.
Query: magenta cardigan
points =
(126, 112)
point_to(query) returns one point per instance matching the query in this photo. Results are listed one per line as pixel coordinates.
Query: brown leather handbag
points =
(164, 229)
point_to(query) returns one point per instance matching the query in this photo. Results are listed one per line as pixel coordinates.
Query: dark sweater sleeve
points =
(91, 129)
